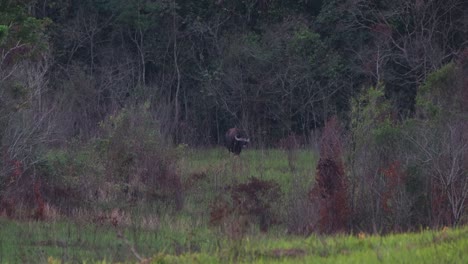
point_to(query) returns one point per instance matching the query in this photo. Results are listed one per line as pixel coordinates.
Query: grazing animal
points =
(235, 140)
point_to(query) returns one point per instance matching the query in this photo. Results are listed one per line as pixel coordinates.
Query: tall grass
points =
(266, 164)
(70, 242)
(207, 174)
(154, 231)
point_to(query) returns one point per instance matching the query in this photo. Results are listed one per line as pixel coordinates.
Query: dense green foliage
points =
(271, 67)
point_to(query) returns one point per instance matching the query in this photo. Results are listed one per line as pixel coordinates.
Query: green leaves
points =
(3, 33)
(308, 44)
(139, 14)
(367, 109)
(17, 27)
(441, 93)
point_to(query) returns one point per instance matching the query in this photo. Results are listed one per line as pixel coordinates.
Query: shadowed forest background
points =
(101, 101)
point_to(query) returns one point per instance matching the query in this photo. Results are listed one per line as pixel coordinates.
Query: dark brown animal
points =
(235, 140)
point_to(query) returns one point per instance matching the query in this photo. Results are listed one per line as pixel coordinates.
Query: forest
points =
(356, 113)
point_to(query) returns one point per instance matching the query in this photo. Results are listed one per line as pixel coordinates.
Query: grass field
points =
(69, 242)
(160, 235)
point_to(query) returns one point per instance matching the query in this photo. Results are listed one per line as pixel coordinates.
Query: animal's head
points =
(236, 139)
(241, 138)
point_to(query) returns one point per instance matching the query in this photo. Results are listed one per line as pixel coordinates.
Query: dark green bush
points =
(138, 159)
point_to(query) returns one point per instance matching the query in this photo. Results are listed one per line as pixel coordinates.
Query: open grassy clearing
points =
(156, 227)
(222, 168)
(36, 242)
(157, 232)
(207, 172)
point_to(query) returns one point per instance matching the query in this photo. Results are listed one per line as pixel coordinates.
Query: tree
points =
(397, 43)
(283, 80)
(379, 201)
(25, 115)
(441, 138)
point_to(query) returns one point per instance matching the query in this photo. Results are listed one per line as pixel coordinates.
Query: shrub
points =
(330, 188)
(137, 158)
(290, 145)
(379, 199)
(301, 213)
(128, 163)
(71, 177)
(441, 139)
(243, 204)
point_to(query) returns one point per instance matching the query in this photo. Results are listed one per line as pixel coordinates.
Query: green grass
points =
(166, 236)
(222, 169)
(270, 164)
(70, 242)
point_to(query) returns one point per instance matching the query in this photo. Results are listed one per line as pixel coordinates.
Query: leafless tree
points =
(408, 39)
(27, 127)
(444, 153)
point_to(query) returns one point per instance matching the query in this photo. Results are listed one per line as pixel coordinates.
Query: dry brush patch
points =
(246, 204)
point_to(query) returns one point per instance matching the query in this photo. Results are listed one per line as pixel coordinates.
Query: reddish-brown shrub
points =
(440, 206)
(291, 142)
(12, 170)
(27, 192)
(330, 189)
(40, 205)
(7, 207)
(166, 187)
(250, 202)
(193, 179)
(330, 192)
(394, 180)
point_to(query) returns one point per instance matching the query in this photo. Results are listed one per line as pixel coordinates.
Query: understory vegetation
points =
(223, 220)
(113, 114)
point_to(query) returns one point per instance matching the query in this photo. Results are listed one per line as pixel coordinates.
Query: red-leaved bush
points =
(330, 189)
(39, 213)
(394, 178)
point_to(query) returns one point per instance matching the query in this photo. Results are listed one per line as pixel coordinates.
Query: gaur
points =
(236, 139)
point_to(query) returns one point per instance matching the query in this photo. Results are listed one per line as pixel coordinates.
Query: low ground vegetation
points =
(222, 220)
(182, 241)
